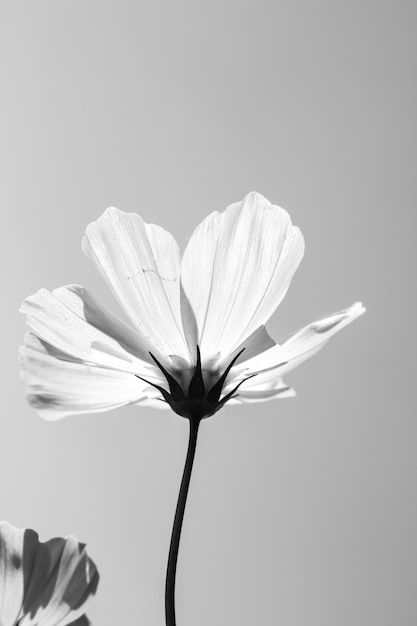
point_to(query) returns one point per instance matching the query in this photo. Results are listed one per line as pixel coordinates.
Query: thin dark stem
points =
(176, 529)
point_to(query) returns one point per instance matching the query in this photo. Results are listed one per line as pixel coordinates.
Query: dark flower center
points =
(196, 402)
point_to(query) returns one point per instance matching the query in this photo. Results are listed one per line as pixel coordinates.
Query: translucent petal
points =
(57, 387)
(142, 266)
(255, 344)
(237, 268)
(261, 392)
(43, 584)
(280, 359)
(59, 580)
(81, 621)
(71, 320)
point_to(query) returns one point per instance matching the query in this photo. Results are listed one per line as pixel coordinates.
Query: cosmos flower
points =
(195, 337)
(43, 584)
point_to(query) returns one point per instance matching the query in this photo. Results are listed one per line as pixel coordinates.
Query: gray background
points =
(301, 512)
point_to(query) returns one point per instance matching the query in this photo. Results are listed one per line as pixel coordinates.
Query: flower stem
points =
(176, 529)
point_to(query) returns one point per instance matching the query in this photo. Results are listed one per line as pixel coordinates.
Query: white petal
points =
(72, 321)
(57, 387)
(282, 358)
(255, 344)
(257, 390)
(237, 268)
(11, 573)
(189, 324)
(141, 264)
(155, 403)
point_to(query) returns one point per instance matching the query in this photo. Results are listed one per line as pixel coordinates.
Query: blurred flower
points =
(43, 584)
(196, 337)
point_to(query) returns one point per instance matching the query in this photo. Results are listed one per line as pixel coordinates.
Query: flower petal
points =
(280, 359)
(71, 320)
(156, 403)
(11, 573)
(141, 263)
(58, 387)
(255, 344)
(257, 390)
(81, 621)
(237, 268)
(68, 579)
(59, 579)
(43, 584)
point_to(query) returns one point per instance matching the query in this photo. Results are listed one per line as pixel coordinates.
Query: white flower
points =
(43, 584)
(236, 269)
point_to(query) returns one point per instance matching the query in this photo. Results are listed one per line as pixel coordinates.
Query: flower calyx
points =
(195, 403)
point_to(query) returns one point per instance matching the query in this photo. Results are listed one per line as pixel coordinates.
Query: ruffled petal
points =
(280, 359)
(57, 387)
(71, 320)
(43, 584)
(11, 573)
(141, 263)
(59, 580)
(64, 580)
(237, 268)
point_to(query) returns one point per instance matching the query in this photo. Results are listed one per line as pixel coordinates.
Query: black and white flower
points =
(195, 336)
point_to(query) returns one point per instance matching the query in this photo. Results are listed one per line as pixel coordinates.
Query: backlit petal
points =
(71, 320)
(43, 584)
(304, 344)
(65, 578)
(255, 344)
(156, 403)
(142, 266)
(57, 387)
(59, 580)
(237, 268)
(81, 621)
(258, 390)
